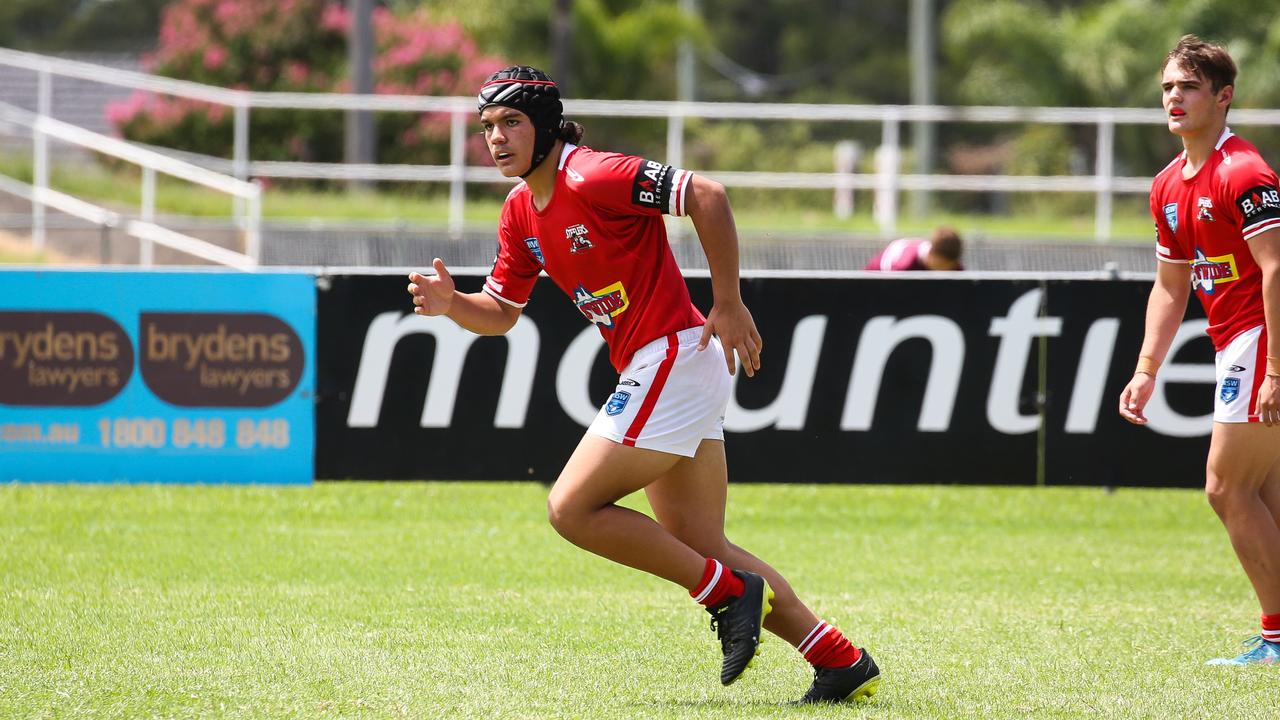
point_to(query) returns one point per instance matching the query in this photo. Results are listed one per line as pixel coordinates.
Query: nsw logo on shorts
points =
(1230, 389)
(617, 403)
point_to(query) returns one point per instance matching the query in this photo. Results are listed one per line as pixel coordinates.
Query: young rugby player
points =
(593, 221)
(1217, 213)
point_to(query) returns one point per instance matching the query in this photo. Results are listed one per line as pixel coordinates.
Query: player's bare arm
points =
(480, 312)
(1165, 307)
(1266, 251)
(729, 319)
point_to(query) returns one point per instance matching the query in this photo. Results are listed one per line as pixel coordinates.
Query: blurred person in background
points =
(940, 251)
(1217, 213)
(593, 222)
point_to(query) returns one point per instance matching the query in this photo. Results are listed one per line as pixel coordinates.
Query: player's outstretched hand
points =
(736, 329)
(432, 295)
(1134, 397)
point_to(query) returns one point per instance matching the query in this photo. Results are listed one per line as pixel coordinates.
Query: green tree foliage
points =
(620, 49)
(1101, 53)
(81, 25)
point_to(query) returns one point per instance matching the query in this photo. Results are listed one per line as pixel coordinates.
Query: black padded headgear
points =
(530, 91)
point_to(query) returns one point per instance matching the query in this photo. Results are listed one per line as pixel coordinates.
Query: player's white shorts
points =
(670, 397)
(1241, 366)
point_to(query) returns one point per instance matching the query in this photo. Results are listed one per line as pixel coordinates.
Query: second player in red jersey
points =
(1217, 213)
(1207, 219)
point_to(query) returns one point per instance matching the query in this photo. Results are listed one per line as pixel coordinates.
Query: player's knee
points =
(562, 517)
(1224, 496)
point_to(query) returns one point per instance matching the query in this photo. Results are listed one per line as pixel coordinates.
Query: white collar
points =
(564, 154)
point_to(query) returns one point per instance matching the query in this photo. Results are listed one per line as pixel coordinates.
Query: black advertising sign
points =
(865, 379)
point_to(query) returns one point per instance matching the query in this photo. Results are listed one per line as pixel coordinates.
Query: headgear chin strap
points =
(530, 91)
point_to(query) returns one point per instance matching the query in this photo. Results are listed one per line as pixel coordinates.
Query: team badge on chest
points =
(1204, 205)
(577, 237)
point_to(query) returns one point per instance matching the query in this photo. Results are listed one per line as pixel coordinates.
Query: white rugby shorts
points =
(670, 397)
(1241, 366)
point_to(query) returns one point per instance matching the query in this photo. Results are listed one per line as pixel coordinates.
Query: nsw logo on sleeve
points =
(601, 306)
(1260, 201)
(1171, 216)
(649, 189)
(532, 243)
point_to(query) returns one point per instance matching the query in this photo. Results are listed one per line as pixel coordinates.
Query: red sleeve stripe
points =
(1262, 227)
(651, 399)
(489, 290)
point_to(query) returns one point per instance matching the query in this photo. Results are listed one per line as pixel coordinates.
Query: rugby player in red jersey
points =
(593, 221)
(1217, 213)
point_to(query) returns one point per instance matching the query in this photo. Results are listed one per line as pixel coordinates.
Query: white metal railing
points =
(886, 182)
(144, 228)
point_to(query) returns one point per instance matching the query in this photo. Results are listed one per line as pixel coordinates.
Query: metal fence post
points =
(240, 156)
(44, 107)
(253, 232)
(675, 158)
(846, 163)
(887, 168)
(457, 173)
(1104, 173)
(147, 250)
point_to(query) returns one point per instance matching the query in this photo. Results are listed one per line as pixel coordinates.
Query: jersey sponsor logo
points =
(1235, 368)
(574, 175)
(1230, 389)
(1171, 216)
(1208, 272)
(577, 237)
(532, 243)
(628, 382)
(1257, 201)
(602, 306)
(1204, 205)
(651, 185)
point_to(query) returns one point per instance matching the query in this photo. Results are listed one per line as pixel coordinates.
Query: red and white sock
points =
(717, 584)
(1271, 628)
(825, 646)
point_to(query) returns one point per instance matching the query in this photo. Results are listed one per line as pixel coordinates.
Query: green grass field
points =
(427, 600)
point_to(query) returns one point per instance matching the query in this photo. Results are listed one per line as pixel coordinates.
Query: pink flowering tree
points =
(299, 46)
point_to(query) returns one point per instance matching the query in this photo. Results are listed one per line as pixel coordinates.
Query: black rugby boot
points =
(737, 622)
(855, 683)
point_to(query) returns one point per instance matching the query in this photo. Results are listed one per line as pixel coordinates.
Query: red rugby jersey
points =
(1206, 221)
(601, 239)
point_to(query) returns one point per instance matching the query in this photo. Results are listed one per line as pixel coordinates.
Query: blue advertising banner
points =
(191, 377)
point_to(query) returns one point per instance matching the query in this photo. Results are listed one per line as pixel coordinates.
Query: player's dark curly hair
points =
(1212, 62)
